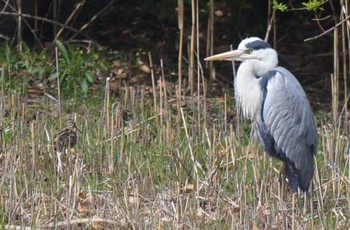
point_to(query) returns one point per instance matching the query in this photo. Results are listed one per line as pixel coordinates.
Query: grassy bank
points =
(150, 157)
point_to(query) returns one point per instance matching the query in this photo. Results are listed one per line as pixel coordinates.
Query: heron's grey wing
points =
(289, 119)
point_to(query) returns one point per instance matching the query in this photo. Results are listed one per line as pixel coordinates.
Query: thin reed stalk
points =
(192, 47)
(180, 16)
(19, 26)
(154, 90)
(335, 77)
(58, 86)
(210, 39)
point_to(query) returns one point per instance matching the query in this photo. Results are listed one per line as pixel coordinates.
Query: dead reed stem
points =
(346, 58)
(112, 131)
(154, 88)
(192, 45)
(180, 16)
(58, 87)
(107, 106)
(335, 77)
(189, 143)
(210, 39)
(19, 26)
(198, 71)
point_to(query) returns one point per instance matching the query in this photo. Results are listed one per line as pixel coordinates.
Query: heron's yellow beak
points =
(229, 56)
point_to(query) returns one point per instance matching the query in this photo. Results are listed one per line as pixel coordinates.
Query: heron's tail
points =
(298, 178)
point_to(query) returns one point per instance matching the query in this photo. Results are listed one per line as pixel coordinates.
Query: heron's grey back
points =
(288, 117)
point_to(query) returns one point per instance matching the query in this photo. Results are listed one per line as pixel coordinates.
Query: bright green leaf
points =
(313, 5)
(279, 6)
(61, 47)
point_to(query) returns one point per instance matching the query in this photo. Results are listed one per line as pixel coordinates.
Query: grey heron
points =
(273, 99)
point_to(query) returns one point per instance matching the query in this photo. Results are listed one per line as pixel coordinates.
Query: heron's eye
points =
(249, 50)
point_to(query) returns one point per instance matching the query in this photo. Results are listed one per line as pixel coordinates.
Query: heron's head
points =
(248, 49)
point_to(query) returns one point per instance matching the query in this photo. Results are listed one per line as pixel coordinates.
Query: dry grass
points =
(155, 159)
(143, 166)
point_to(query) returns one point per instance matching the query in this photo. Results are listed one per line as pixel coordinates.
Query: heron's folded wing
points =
(287, 115)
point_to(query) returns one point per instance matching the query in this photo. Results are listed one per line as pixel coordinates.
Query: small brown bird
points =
(65, 140)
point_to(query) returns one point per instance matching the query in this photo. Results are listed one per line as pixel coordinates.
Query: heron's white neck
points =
(248, 90)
